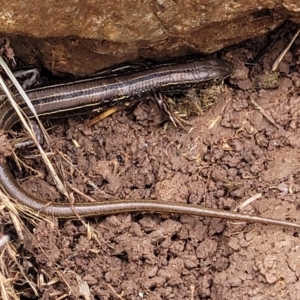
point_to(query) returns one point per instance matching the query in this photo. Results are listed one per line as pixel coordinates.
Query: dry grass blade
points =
(12, 252)
(25, 123)
(115, 293)
(280, 57)
(266, 114)
(15, 209)
(14, 272)
(9, 254)
(248, 202)
(106, 114)
(6, 290)
(23, 94)
(10, 205)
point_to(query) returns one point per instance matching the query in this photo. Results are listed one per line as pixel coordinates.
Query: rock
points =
(84, 36)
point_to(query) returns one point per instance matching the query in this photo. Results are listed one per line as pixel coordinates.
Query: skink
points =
(105, 92)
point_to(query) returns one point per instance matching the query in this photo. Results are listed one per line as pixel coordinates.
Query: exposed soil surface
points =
(247, 143)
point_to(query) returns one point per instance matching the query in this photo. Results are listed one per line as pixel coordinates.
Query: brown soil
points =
(229, 154)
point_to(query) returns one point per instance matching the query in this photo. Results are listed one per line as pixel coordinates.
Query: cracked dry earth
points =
(228, 155)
